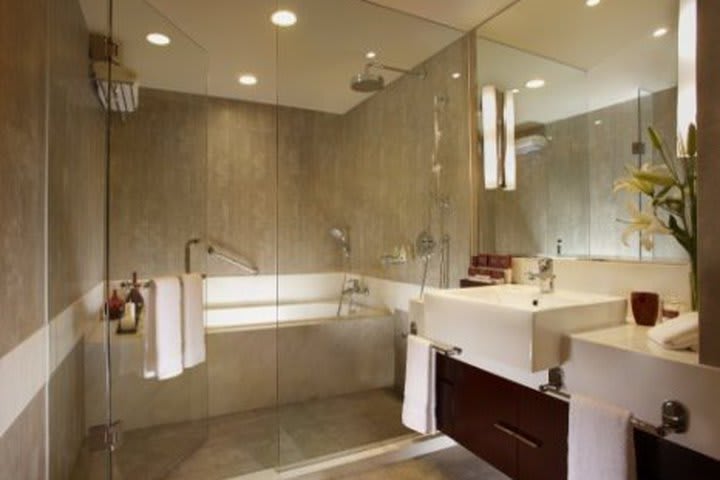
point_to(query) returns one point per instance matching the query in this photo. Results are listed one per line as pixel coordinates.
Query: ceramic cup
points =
(645, 307)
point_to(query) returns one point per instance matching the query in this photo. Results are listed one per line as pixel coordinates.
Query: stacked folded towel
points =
(679, 333)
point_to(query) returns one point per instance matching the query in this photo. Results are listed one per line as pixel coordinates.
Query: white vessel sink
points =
(516, 324)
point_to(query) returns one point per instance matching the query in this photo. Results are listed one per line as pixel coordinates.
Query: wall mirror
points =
(585, 84)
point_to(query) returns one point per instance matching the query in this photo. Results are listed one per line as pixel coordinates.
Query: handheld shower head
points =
(342, 237)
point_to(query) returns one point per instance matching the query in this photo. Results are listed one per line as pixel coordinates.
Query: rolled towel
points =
(678, 333)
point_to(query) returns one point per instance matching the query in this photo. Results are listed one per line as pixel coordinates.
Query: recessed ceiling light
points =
(456, 75)
(247, 79)
(592, 3)
(535, 83)
(284, 18)
(660, 32)
(598, 122)
(159, 39)
(515, 90)
(370, 55)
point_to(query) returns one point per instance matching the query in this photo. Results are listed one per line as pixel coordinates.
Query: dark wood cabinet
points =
(520, 431)
(523, 432)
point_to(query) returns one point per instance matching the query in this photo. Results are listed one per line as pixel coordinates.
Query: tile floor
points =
(242, 443)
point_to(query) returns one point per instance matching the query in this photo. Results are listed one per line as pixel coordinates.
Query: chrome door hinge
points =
(104, 437)
(638, 148)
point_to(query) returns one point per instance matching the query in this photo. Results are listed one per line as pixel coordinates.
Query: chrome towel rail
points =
(674, 414)
(446, 350)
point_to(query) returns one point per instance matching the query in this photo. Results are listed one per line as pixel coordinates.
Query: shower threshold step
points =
(357, 460)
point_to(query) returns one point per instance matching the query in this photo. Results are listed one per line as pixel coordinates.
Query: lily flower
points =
(647, 224)
(657, 174)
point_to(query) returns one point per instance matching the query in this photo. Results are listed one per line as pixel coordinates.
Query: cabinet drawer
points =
(544, 420)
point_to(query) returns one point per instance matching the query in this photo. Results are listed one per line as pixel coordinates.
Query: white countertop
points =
(633, 338)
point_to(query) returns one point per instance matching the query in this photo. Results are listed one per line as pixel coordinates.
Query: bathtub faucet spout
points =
(353, 286)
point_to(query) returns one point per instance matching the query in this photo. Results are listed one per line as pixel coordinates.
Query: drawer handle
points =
(504, 429)
(518, 436)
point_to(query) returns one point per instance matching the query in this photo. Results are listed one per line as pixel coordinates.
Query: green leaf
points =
(655, 138)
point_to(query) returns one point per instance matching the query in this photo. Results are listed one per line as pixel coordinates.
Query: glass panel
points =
(157, 229)
(356, 187)
(211, 157)
(76, 128)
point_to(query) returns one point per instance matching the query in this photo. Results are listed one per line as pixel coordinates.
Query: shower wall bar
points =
(236, 261)
(241, 264)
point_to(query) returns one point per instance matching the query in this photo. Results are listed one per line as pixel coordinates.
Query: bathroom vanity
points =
(523, 432)
(520, 431)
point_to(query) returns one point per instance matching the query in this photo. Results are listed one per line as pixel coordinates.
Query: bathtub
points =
(252, 316)
(269, 341)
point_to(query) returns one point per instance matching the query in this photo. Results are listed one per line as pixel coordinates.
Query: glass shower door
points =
(157, 188)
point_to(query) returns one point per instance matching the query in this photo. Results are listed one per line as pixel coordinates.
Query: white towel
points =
(193, 321)
(678, 333)
(600, 441)
(418, 411)
(163, 329)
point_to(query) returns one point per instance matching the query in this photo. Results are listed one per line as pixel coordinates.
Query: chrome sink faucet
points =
(544, 275)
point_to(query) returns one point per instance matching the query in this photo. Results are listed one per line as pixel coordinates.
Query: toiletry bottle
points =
(135, 296)
(115, 306)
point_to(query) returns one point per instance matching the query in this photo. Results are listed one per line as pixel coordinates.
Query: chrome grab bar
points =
(188, 253)
(240, 263)
(226, 257)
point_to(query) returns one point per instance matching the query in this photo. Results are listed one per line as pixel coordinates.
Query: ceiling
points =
(461, 14)
(572, 33)
(589, 57)
(308, 65)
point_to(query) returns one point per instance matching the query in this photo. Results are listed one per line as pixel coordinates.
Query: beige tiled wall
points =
(44, 67)
(23, 71)
(22, 169)
(277, 179)
(66, 414)
(158, 171)
(22, 447)
(76, 163)
(373, 171)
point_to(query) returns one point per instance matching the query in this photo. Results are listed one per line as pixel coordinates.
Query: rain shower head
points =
(367, 81)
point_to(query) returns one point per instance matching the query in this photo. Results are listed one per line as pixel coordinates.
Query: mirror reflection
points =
(586, 84)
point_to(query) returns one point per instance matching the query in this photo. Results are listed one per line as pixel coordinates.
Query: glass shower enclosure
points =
(298, 199)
